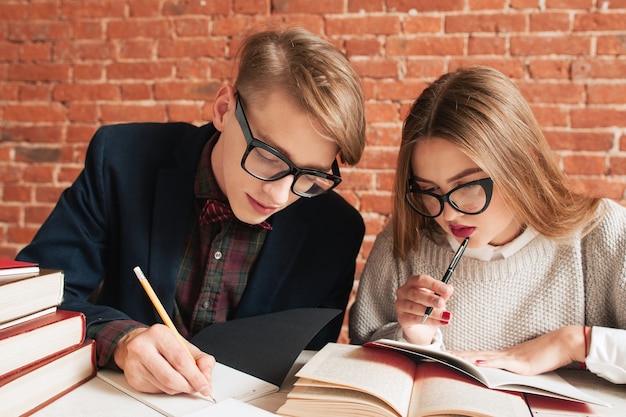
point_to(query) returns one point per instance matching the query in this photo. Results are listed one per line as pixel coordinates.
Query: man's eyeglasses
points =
(266, 163)
(470, 198)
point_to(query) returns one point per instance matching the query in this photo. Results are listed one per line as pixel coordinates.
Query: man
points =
(232, 219)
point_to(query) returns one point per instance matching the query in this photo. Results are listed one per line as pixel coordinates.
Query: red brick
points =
(13, 11)
(83, 112)
(183, 112)
(496, 23)
(192, 26)
(385, 24)
(40, 173)
(584, 164)
(569, 4)
(376, 67)
(132, 113)
(367, 46)
(617, 165)
(251, 6)
(579, 141)
(425, 5)
(307, 6)
(186, 91)
(151, 29)
(37, 214)
(486, 45)
(553, 92)
(17, 193)
(425, 45)
(10, 213)
(423, 24)
(41, 51)
(606, 93)
(137, 91)
(93, 9)
(600, 21)
(549, 22)
(140, 70)
(35, 92)
(144, 8)
(190, 49)
(548, 45)
(548, 68)
(611, 45)
(38, 72)
(355, 6)
(36, 112)
(595, 118)
(93, 92)
(378, 158)
(209, 8)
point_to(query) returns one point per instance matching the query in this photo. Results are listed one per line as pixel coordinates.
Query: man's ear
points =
(224, 101)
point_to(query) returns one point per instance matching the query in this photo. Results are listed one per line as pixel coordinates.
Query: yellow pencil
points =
(161, 310)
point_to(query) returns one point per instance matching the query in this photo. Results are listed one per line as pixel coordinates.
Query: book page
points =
(384, 374)
(549, 383)
(440, 390)
(227, 383)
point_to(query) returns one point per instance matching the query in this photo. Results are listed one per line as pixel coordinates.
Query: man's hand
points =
(153, 360)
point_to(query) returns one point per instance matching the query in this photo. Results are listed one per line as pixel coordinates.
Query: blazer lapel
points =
(174, 196)
(275, 263)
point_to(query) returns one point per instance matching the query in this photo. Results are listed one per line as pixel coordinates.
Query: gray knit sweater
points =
(496, 304)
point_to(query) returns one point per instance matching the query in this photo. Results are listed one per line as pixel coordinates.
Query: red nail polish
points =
(479, 362)
(445, 316)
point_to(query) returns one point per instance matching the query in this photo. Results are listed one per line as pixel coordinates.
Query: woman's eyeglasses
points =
(469, 198)
(267, 164)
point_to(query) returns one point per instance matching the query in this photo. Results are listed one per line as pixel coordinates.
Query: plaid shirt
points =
(217, 259)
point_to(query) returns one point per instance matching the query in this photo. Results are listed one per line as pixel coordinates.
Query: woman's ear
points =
(224, 101)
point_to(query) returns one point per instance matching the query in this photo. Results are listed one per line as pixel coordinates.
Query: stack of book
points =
(43, 348)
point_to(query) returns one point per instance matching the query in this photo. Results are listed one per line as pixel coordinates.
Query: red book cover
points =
(12, 269)
(36, 339)
(37, 385)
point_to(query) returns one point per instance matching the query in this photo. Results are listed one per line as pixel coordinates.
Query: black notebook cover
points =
(265, 346)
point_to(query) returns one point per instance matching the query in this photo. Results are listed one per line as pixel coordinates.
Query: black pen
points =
(449, 272)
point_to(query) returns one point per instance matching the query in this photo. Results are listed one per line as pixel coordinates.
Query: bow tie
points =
(217, 211)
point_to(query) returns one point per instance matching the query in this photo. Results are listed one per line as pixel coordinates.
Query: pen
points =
(449, 272)
(161, 310)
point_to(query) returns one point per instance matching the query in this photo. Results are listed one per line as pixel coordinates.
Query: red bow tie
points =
(217, 211)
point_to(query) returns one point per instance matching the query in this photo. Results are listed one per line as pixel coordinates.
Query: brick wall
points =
(69, 66)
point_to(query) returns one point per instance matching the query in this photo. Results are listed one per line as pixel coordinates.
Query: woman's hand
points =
(418, 293)
(545, 353)
(153, 361)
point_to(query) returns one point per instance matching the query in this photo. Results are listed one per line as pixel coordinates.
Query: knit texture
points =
(497, 304)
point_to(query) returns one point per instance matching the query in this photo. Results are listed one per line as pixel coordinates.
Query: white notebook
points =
(228, 383)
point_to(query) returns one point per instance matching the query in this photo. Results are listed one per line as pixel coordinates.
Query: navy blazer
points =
(131, 205)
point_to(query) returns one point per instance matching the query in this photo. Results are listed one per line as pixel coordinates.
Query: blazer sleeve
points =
(102, 224)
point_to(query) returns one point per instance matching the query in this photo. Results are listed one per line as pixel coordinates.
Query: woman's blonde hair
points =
(484, 114)
(316, 74)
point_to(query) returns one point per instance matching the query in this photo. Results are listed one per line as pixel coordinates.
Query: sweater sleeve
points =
(373, 314)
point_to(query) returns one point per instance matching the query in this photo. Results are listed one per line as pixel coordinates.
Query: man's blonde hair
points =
(316, 74)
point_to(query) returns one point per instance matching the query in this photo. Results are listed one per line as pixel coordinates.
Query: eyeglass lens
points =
(268, 167)
(470, 198)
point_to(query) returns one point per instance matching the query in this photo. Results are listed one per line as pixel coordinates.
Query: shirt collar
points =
(205, 185)
(491, 253)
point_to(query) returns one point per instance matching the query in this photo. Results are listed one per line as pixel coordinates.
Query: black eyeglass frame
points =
(413, 188)
(294, 170)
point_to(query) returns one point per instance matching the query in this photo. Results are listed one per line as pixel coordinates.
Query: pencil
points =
(161, 310)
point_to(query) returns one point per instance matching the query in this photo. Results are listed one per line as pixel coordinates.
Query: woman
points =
(543, 281)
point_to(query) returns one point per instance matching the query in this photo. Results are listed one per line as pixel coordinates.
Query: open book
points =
(548, 384)
(347, 380)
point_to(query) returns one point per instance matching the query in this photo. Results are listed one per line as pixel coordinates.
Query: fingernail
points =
(480, 362)
(445, 316)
